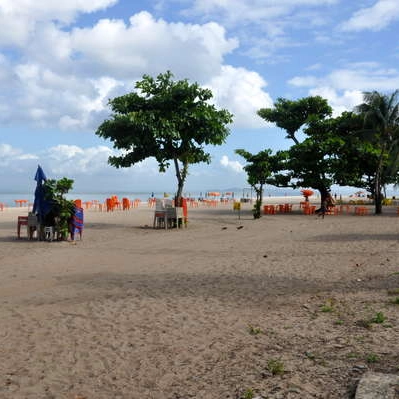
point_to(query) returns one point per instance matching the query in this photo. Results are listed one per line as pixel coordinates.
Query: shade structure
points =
(41, 206)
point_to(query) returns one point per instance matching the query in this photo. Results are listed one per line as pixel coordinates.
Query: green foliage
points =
(249, 394)
(262, 168)
(372, 358)
(380, 114)
(305, 164)
(359, 148)
(62, 209)
(165, 119)
(328, 306)
(292, 115)
(275, 366)
(378, 318)
(254, 330)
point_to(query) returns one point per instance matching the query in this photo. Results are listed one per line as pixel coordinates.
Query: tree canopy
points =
(359, 148)
(165, 119)
(291, 115)
(305, 162)
(259, 169)
(380, 113)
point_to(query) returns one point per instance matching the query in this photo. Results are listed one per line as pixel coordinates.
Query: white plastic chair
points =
(160, 216)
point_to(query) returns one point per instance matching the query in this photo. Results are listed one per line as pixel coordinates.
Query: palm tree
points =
(381, 123)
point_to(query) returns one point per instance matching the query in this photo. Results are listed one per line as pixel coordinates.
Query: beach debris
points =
(224, 228)
(239, 227)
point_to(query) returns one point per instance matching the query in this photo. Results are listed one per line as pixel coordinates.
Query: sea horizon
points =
(8, 198)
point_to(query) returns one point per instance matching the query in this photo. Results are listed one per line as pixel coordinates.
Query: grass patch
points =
(372, 358)
(254, 330)
(328, 306)
(378, 318)
(275, 366)
(395, 301)
(249, 394)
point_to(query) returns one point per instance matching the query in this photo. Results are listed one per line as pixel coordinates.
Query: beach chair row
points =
(109, 205)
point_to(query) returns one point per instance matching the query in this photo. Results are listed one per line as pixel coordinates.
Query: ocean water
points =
(9, 198)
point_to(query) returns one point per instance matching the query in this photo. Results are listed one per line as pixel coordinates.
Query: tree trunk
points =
(377, 194)
(324, 194)
(378, 186)
(181, 175)
(258, 203)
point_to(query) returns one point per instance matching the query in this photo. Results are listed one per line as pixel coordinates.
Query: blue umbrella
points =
(41, 206)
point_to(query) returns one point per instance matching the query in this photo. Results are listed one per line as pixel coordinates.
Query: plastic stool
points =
(49, 233)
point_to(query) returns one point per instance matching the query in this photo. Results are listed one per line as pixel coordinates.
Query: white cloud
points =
(374, 18)
(232, 165)
(67, 77)
(47, 99)
(365, 76)
(241, 92)
(152, 46)
(234, 11)
(344, 87)
(71, 159)
(303, 81)
(19, 18)
(340, 103)
(10, 156)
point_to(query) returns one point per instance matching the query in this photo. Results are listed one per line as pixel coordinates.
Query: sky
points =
(61, 61)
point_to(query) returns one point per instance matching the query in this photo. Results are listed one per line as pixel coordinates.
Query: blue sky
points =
(60, 62)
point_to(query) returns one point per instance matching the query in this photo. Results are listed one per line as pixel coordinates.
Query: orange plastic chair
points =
(309, 210)
(287, 208)
(87, 204)
(109, 204)
(125, 204)
(361, 210)
(22, 221)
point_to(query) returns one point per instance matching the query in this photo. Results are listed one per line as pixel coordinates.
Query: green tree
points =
(166, 119)
(261, 169)
(62, 209)
(292, 115)
(307, 164)
(380, 114)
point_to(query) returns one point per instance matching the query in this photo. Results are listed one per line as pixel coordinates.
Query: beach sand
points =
(287, 306)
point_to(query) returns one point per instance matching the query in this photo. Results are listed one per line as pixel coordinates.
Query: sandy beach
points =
(287, 306)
